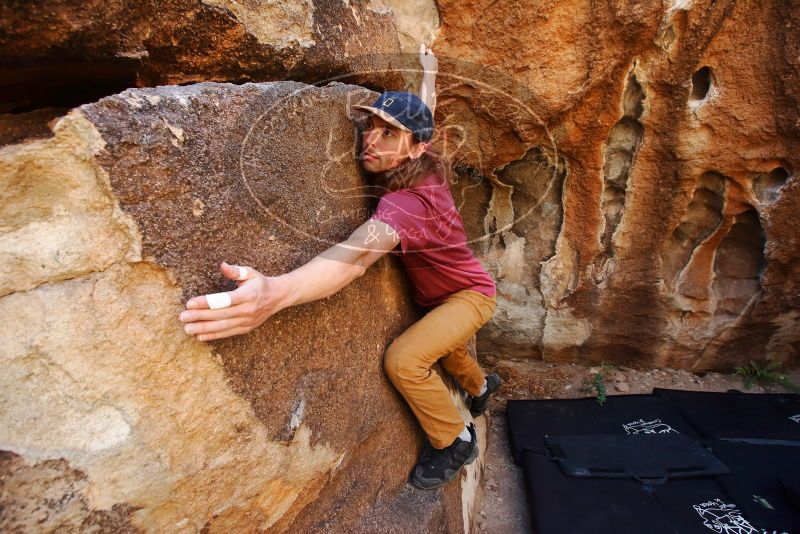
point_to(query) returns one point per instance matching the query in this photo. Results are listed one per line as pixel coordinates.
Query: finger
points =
(226, 333)
(246, 273)
(212, 301)
(215, 301)
(190, 316)
(235, 272)
(210, 327)
(243, 273)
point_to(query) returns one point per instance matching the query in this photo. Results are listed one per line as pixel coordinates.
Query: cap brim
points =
(382, 114)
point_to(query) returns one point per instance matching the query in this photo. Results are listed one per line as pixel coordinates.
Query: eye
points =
(387, 131)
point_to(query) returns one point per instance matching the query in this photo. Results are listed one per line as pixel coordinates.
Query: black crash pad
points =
(766, 418)
(651, 458)
(761, 481)
(530, 420)
(559, 504)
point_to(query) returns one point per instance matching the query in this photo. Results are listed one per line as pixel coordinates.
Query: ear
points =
(419, 149)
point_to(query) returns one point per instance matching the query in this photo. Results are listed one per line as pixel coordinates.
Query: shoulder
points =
(402, 200)
(402, 210)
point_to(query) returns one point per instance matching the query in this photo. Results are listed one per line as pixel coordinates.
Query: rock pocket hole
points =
(633, 98)
(621, 147)
(702, 217)
(767, 186)
(701, 85)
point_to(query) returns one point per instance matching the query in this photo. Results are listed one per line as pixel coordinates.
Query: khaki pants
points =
(441, 335)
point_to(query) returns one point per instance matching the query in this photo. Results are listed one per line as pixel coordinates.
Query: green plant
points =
(766, 374)
(596, 383)
(600, 388)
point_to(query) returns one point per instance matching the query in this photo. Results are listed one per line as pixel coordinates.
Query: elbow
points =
(360, 268)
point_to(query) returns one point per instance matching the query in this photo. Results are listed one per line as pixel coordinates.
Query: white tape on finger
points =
(218, 300)
(242, 273)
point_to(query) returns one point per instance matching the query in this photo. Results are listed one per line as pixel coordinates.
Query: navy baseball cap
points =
(405, 111)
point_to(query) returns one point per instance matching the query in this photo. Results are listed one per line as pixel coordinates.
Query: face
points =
(385, 146)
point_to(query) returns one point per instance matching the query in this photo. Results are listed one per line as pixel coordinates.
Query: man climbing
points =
(416, 212)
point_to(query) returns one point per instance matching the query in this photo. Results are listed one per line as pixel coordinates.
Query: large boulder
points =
(632, 168)
(65, 53)
(112, 419)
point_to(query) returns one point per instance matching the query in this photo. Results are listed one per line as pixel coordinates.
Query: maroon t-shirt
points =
(433, 243)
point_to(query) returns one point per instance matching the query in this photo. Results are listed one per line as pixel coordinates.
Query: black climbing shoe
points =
(477, 405)
(439, 466)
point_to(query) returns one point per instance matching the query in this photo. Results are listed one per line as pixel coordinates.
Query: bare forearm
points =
(321, 277)
(427, 91)
(258, 296)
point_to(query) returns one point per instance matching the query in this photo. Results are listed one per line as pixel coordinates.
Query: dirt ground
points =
(504, 509)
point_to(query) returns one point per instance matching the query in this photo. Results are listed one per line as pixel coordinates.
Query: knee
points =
(401, 365)
(391, 362)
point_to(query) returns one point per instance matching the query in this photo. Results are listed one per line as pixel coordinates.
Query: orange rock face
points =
(637, 166)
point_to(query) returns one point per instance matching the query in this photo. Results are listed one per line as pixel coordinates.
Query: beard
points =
(405, 175)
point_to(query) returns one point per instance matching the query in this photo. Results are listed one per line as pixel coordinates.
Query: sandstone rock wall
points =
(627, 170)
(65, 53)
(112, 419)
(632, 167)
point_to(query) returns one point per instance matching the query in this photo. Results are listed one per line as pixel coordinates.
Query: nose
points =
(370, 138)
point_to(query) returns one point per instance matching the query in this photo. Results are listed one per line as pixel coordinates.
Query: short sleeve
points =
(405, 213)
